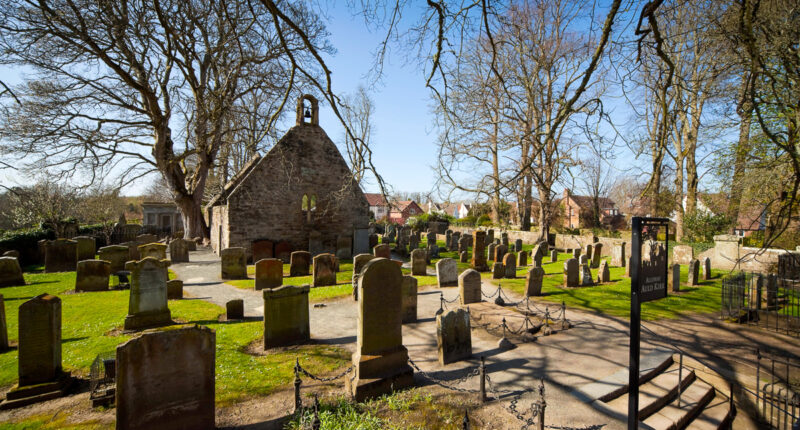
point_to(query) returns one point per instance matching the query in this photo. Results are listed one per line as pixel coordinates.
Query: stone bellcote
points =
(314, 110)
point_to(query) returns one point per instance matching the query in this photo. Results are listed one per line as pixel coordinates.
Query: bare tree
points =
(357, 111)
(45, 203)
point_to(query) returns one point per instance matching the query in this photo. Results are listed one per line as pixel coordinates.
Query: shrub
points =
(699, 226)
(26, 242)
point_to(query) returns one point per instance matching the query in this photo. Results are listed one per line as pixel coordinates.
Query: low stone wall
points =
(729, 254)
(528, 237)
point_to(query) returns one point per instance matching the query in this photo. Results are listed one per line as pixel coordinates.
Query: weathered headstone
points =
(344, 247)
(447, 272)
(628, 267)
(771, 296)
(448, 235)
(60, 255)
(576, 253)
(675, 278)
(10, 272)
(492, 247)
(682, 254)
(596, 251)
(263, 249)
(603, 274)
(469, 286)
(463, 244)
(133, 250)
(382, 251)
(430, 238)
(179, 251)
(454, 240)
(518, 245)
(419, 261)
(587, 251)
(498, 270)
(359, 261)
(618, 255)
(571, 275)
(500, 252)
(380, 359)
(478, 249)
(586, 276)
(504, 239)
(233, 263)
(39, 353)
(165, 379)
(300, 263)
(269, 273)
(583, 259)
(286, 315)
(147, 304)
(86, 247)
(373, 242)
(522, 259)
(490, 236)
(146, 238)
(283, 251)
(92, 275)
(155, 250)
(706, 269)
(463, 257)
(553, 256)
(409, 299)
(510, 266)
(454, 336)
(174, 289)
(413, 242)
(117, 255)
(324, 270)
(360, 241)
(694, 273)
(533, 281)
(234, 309)
(433, 251)
(3, 326)
(756, 291)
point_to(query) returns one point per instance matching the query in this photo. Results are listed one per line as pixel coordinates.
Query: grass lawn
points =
(92, 323)
(613, 298)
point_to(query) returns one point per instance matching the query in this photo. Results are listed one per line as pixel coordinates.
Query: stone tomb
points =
(147, 306)
(92, 275)
(447, 272)
(39, 354)
(618, 255)
(596, 251)
(380, 359)
(269, 273)
(382, 251)
(409, 299)
(117, 255)
(693, 278)
(510, 266)
(300, 263)
(155, 250)
(165, 379)
(86, 247)
(533, 281)
(675, 277)
(179, 251)
(603, 274)
(234, 263)
(478, 249)
(286, 316)
(10, 272)
(234, 310)
(454, 336)
(571, 275)
(419, 266)
(359, 261)
(324, 270)
(60, 255)
(263, 249)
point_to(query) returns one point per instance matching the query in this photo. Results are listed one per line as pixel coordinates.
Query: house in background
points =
(163, 217)
(578, 212)
(752, 216)
(404, 210)
(377, 205)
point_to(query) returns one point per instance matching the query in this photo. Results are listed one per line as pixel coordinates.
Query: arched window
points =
(313, 205)
(305, 202)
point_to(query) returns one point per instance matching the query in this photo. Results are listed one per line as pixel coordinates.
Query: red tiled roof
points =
(375, 199)
(587, 203)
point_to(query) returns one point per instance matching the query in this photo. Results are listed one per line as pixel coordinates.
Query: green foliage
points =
(700, 226)
(756, 239)
(483, 221)
(25, 241)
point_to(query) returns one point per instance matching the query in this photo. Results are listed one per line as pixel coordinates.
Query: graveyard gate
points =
(766, 301)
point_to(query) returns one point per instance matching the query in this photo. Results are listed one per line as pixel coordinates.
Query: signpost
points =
(648, 282)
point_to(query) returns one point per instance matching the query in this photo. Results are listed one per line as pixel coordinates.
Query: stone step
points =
(693, 400)
(657, 392)
(616, 384)
(717, 415)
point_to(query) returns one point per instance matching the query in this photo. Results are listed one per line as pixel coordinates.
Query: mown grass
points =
(343, 287)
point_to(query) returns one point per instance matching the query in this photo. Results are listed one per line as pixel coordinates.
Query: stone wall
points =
(561, 241)
(729, 254)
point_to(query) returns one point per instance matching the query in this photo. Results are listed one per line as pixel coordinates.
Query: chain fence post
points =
(316, 424)
(441, 304)
(298, 403)
(542, 405)
(483, 379)
(465, 421)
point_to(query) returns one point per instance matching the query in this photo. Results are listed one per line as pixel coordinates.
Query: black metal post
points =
(680, 379)
(465, 421)
(483, 379)
(298, 403)
(636, 321)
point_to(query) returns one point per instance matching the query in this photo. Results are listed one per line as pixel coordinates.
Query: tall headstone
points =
(453, 336)
(147, 303)
(60, 255)
(447, 272)
(510, 266)
(454, 239)
(133, 250)
(583, 259)
(10, 272)
(344, 247)
(359, 261)
(492, 247)
(117, 255)
(533, 281)
(675, 277)
(179, 251)
(413, 242)
(463, 244)
(504, 239)
(3, 326)
(571, 275)
(165, 379)
(576, 253)
(263, 249)
(381, 360)
(490, 236)
(500, 252)
(155, 250)
(360, 241)
(92, 275)
(682, 254)
(553, 256)
(706, 269)
(537, 252)
(269, 273)
(373, 242)
(694, 273)
(771, 291)
(419, 266)
(522, 259)
(233, 264)
(299, 263)
(618, 255)
(430, 238)
(463, 257)
(286, 316)
(448, 235)
(586, 276)
(518, 245)
(469, 286)
(409, 299)
(324, 270)
(174, 289)
(498, 270)
(596, 251)
(603, 274)
(382, 251)
(86, 247)
(588, 251)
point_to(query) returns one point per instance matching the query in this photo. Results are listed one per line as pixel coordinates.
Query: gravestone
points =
(283, 251)
(463, 257)
(299, 263)
(537, 252)
(706, 269)
(155, 250)
(92, 275)
(60, 255)
(360, 241)
(576, 253)
(694, 273)
(380, 359)
(3, 326)
(682, 254)
(373, 242)
(675, 277)
(469, 286)
(586, 276)
(454, 336)
(492, 248)
(315, 246)
(324, 270)
(147, 304)
(430, 238)
(10, 272)
(498, 270)
(344, 247)
(618, 255)
(433, 251)
(522, 259)
(512, 248)
(269, 273)
(504, 239)
(537, 259)
(11, 253)
(756, 291)
(382, 251)
(359, 261)
(533, 281)
(510, 266)
(38, 353)
(448, 235)
(454, 239)
(500, 252)
(286, 315)
(628, 267)
(571, 274)
(596, 251)
(191, 245)
(553, 255)
(419, 261)
(588, 251)
(146, 238)
(174, 289)
(165, 379)
(409, 299)
(233, 263)
(771, 296)
(413, 242)
(583, 259)
(463, 244)
(518, 245)
(447, 272)
(117, 255)
(41, 245)
(86, 247)
(179, 251)
(263, 249)
(478, 249)
(133, 250)
(490, 236)
(234, 309)
(603, 274)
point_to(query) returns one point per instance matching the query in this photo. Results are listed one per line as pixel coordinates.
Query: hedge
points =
(26, 242)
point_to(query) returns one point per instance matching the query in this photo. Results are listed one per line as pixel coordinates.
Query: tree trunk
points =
(495, 177)
(544, 214)
(527, 200)
(742, 149)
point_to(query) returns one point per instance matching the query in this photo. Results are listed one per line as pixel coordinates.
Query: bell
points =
(307, 114)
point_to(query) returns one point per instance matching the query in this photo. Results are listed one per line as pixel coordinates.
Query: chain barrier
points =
(475, 371)
(320, 379)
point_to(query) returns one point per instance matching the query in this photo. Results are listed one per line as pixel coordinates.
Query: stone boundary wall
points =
(562, 241)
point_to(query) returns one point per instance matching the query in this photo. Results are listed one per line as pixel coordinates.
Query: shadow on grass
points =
(73, 339)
